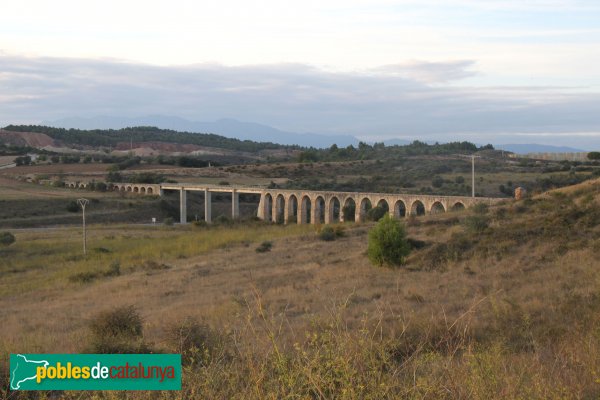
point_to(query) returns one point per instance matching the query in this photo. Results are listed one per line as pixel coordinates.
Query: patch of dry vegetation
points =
(496, 303)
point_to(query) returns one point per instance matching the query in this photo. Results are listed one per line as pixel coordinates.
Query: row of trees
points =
(379, 151)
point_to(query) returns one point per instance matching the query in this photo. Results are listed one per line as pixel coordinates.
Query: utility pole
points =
(472, 175)
(472, 171)
(83, 203)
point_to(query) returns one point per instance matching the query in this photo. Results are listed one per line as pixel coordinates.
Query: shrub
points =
(84, 277)
(72, 206)
(480, 208)
(416, 243)
(114, 269)
(387, 243)
(264, 247)
(117, 331)
(437, 182)
(376, 213)
(196, 342)
(201, 223)
(168, 221)
(340, 231)
(7, 238)
(327, 234)
(476, 223)
(223, 220)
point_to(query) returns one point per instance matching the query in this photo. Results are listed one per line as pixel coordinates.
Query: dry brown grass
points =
(517, 317)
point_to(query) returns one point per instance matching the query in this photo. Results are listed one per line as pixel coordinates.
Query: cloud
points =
(430, 72)
(394, 102)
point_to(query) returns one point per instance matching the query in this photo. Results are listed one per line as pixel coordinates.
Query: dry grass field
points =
(498, 303)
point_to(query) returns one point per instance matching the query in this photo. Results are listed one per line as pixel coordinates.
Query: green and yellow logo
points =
(95, 372)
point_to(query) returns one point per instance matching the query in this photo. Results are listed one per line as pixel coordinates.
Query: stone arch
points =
(122, 188)
(292, 208)
(417, 208)
(365, 206)
(319, 211)
(136, 189)
(129, 188)
(399, 209)
(348, 213)
(279, 209)
(143, 190)
(150, 191)
(304, 216)
(458, 206)
(335, 210)
(437, 208)
(268, 207)
(383, 203)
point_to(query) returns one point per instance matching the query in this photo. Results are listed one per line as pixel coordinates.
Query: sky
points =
(481, 70)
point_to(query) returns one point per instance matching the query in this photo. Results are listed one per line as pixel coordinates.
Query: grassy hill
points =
(111, 137)
(498, 302)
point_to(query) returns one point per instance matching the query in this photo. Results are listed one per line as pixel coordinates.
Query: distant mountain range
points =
(536, 148)
(259, 132)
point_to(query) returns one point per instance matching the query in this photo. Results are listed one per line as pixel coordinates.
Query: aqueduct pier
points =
(310, 206)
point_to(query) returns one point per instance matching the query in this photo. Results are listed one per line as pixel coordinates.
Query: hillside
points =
(492, 303)
(111, 138)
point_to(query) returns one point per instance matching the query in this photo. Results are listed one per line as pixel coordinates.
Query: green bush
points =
(6, 238)
(388, 244)
(376, 213)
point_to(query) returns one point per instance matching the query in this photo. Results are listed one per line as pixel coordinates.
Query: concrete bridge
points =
(311, 206)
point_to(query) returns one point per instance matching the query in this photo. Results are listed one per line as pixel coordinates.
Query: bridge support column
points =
(286, 210)
(357, 213)
(207, 205)
(182, 206)
(274, 208)
(161, 192)
(313, 211)
(327, 213)
(235, 204)
(261, 207)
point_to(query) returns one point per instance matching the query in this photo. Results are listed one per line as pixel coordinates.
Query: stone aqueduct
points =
(306, 206)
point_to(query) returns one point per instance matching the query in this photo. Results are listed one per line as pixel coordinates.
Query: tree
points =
(437, 182)
(388, 244)
(23, 160)
(593, 155)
